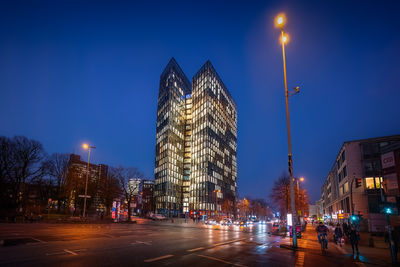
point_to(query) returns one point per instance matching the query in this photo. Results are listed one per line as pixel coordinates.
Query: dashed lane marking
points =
(195, 249)
(70, 252)
(38, 240)
(221, 260)
(159, 258)
(143, 242)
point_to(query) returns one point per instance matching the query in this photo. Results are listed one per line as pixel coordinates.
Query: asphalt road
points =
(142, 244)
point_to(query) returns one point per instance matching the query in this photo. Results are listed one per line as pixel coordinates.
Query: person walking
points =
(338, 234)
(354, 237)
(345, 229)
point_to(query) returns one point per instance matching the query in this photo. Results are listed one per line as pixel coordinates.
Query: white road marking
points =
(111, 236)
(228, 242)
(221, 260)
(70, 252)
(144, 242)
(195, 249)
(55, 253)
(159, 258)
(38, 240)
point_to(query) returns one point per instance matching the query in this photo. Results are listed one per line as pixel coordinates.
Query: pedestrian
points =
(345, 229)
(338, 234)
(354, 237)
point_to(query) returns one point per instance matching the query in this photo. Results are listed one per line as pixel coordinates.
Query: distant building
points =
(147, 191)
(312, 210)
(134, 186)
(354, 183)
(196, 139)
(319, 209)
(76, 178)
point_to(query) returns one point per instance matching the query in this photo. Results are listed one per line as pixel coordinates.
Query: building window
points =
(369, 183)
(373, 183)
(346, 187)
(378, 182)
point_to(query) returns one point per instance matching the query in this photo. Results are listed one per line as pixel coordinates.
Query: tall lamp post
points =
(87, 147)
(216, 200)
(280, 22)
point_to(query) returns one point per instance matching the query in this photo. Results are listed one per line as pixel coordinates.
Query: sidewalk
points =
(309, 253)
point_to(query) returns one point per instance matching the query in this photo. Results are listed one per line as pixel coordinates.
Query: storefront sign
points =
(387, 160)
(391, 181)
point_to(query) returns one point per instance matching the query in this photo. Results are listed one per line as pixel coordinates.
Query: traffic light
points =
(388, 210)
(353, 218)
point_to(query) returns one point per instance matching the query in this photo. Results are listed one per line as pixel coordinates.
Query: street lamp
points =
(301, 179)
(87, 147)
(216, 200)
(280, 22)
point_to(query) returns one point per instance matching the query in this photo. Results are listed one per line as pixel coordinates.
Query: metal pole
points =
(351, 196)
(290, 162)
(87, 177)
(392, 251)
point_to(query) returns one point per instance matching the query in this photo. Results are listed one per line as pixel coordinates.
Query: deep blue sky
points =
(75, 71)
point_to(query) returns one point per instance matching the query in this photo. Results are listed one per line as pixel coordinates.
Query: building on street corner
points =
(354, 184)
(76, 177)
(196, 139)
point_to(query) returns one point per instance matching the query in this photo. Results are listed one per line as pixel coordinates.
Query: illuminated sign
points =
(289, 220)
(387, 160)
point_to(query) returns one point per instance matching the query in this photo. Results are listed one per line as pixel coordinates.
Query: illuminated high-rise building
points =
(195, 165)
(214, 137)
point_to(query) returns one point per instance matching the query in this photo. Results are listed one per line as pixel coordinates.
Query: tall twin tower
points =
(196, 137)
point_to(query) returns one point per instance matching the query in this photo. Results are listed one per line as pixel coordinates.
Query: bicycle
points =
(323, 239)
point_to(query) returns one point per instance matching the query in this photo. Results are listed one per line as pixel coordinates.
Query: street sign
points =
(84, 196)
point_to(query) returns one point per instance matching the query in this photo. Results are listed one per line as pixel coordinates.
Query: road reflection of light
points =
(236, 234)
(210, 235)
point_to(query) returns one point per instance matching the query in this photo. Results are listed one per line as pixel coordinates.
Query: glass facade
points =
(195, 165)
(170, 139)
(214, 135)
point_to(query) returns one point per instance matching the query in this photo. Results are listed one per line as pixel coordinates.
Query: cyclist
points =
(322, 231)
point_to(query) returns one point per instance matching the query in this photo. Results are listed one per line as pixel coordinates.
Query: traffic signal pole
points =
(387, 215)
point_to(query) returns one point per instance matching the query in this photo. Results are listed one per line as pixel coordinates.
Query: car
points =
(158, 217)
(244, 223)
(210, 222)
(226, 222)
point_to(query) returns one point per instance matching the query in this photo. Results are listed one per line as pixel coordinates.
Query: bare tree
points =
(124, 175)
(280, 194)
(20, 164)
(56, 167)
(111, 189)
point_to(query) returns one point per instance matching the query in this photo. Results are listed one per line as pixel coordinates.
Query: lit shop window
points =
(373, 183)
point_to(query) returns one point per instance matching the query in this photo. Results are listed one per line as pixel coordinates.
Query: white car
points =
(158, 217)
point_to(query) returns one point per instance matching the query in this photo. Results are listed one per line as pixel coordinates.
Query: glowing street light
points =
(216, 200)
(86, 147)
(285, 38)
(280, 21)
